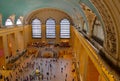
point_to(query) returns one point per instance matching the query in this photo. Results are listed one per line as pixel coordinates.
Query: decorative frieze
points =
(110, 34)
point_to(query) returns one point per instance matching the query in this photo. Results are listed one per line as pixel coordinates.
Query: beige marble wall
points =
(2, 57)
(11, 39)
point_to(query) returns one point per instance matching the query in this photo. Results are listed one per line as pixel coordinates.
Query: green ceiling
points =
(24, 7)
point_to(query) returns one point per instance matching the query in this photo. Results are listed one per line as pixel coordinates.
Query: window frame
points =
(37, 28)
(64, 30)
(49, 28)
(20, 21)
(97, 24)
(10, 20)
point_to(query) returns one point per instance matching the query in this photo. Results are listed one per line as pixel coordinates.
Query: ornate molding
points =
(111, 37)
(44, 14)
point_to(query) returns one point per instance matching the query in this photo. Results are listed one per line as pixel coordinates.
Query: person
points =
(16, 79)
(65, 79)
(3, 67)
(1, 76)
(47, 78)
(47, 73)
(54, 76)
(65, 66)
(66, 75)
(73, 79)
(61, 70)
(7, 79)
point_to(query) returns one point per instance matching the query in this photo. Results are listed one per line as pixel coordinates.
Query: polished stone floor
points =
(44, 69)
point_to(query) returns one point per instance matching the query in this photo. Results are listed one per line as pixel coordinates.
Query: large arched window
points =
(85, 28)
(18, 22)
(50, 28)
(8, 22)
(64, 28)
(98, 33)
(36, 28)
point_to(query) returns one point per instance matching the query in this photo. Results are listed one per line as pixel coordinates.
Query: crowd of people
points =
(43, 69)
(50, 69)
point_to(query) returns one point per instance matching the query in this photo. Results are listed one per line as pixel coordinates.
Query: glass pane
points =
(98, 30)
(36, 28)
(50, 28)
(8, 22)
(65, 29)
(19, 22)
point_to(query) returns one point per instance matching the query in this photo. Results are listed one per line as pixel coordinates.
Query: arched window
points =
(8, 22)
(64, 28)
(85, 28)
(18, 22)
(36, 28)
(98, 33)
(50, 28)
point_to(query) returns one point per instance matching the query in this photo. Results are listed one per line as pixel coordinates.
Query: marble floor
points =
(44, 69)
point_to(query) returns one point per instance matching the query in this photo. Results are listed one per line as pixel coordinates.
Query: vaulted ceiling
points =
(102, 9)
(24, 7)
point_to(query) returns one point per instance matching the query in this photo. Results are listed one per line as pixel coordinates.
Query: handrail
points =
(99, 62)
